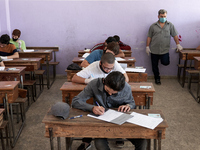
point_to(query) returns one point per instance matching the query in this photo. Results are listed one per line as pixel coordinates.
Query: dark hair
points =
(108, 58)
(162, 11)
(110, 39)
(114, 47)
(16, 32)
(115, 80)
(4, 39)
(117, 38)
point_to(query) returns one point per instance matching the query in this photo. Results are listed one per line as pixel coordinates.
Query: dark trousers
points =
(164, 59)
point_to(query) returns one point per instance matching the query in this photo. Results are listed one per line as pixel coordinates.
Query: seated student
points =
(1, 63)
(19, 44)
(112, 47)
(109, 92)
(99, 69)
(7, 50)
(103, 46)
(121, 44)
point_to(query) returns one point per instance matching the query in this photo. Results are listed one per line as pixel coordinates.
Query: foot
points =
(84, 146)
(119, 143)
(157, 81)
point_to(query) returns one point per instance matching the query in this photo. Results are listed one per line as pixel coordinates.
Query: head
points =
(114, 82)
(4, 40)
(113, 48)
(108, 40)
(162, 15)
(107, 62)
(16, 34)
(117, 38)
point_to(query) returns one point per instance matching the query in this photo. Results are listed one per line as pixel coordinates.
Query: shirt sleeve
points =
(92, 57)
(85, 73)
(173, 31)
(117, 67)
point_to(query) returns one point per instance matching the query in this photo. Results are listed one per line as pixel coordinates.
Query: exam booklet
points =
(113, 116)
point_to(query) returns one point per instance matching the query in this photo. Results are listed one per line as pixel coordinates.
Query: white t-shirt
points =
(94, 71)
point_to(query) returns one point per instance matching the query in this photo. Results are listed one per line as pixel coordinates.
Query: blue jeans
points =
(102, 144)
(164, 59)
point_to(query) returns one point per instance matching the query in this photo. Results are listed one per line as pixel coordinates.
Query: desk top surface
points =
(83, 51)
(70, 86)
(197, 58)
(13, 70)
(8, 85)
(189, 51)
(89, 121)
(126, 59)
(23, 60)
(38, 52)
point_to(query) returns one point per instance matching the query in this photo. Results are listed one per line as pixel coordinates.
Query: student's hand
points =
(20, 43)
(179, 47)
(124, 108)
(98, 110)
(88, 80)
(148, 50)
(3, 57)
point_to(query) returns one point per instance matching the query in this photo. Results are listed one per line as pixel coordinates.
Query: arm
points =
(78, 79)
(148, 41)
(121, 54)
(85, 63)
(15, 55)
(124, 46)
(126, 77)
(2, 64)
(176, 40)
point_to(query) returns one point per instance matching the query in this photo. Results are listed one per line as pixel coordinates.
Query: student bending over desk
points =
(7, 50)
(111, 92)
(99, 69)
(112, 47)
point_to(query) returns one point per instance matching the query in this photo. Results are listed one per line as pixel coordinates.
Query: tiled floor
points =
(180, 109)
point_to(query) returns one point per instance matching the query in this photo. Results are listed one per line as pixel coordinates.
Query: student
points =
(1, 63)
(109, 92)
(112, 47)
(103, 46)
(121, 44)
(99, 69)
(19, 44)
(7, 50)
(159, 36)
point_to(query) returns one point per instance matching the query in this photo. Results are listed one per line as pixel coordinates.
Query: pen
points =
(97, 104)
(76, 117)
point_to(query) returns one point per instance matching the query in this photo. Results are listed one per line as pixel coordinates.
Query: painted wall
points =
(75, 25)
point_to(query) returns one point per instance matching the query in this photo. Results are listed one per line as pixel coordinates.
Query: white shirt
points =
(94, 70)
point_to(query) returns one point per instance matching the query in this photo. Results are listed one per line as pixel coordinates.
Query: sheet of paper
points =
(87, 50)
(28, 50)
(144, 120)
(81, 59)
(119, 58)
(7, 59)
(135, 70)
(113, 116)
(145, 87)
(86, 55)
(2, 68)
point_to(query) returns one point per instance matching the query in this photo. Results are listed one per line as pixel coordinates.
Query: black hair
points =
(115, 80)
(110, 39)
(108, 58)
(114, 47)
(4, 39)
(117, 38)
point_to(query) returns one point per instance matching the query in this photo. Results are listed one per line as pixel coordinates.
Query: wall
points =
(75, 25)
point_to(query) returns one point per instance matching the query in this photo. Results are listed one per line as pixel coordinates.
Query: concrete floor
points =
(180, 109)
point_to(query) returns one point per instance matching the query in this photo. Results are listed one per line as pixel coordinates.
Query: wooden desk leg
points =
(198, 84)
(159, 139)
(184, 71)
(2, 141)
(155, 144)
(51, 138)
(59, 143)
(48, 76)
(148, 144)
(68, 143)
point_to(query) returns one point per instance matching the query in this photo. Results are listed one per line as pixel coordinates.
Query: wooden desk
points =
(91, 127)
(127, 53)
(133, 76)
(142, 97)
(46, 55)
(31, 64)
(130, 61)
(186, 55)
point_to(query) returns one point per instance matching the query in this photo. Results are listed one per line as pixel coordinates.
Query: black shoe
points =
(119, 143)
(82, 147)
(157, 81)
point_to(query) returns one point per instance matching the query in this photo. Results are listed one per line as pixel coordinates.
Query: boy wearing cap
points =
(111, 92)
(19, 44)
(7, 50)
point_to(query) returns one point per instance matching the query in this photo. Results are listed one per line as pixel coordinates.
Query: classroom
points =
(59, 32)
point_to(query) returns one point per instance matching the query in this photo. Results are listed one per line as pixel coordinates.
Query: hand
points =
(20, 43)
(148, 50)
(3, 57)
(98, 110)
(88, 80)
(124, 108)
(179, 47)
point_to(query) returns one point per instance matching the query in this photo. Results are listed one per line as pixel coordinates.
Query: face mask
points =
(15, 39)
(162, 20)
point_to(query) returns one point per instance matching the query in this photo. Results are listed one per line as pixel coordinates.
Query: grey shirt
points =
(160, 37)
(95, 89)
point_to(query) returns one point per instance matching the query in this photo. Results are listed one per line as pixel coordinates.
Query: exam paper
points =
(86, 55)
(119, 58)
(112, 116)
(144, 120)
(28, 50)
(2, 68)
(135, 69)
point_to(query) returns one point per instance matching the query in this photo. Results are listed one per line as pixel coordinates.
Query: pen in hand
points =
(101, 109)
(76, 117)
(97, 104)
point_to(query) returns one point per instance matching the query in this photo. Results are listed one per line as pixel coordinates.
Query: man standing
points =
(158, 39)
